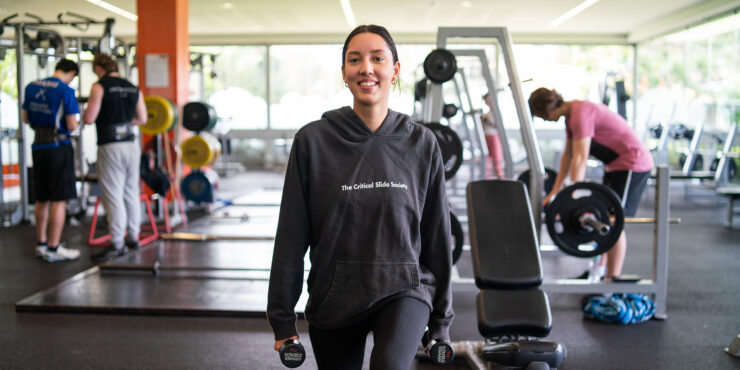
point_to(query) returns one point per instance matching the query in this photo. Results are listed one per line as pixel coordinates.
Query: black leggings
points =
(397, 329)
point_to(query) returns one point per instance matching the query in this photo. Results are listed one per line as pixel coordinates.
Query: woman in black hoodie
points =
(365, 192)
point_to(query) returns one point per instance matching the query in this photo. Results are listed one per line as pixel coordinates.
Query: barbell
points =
(586, 219)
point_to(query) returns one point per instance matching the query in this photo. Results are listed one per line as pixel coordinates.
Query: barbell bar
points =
(210, 237)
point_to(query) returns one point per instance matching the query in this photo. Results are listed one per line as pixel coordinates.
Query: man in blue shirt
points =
(50, 107)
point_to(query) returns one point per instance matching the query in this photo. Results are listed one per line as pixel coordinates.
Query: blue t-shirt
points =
(48, 101)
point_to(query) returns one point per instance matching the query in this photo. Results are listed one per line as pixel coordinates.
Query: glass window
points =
(235, 84)
(692, 75)
(305, 82)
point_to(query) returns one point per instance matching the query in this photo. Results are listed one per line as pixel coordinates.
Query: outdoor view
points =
(685, 77)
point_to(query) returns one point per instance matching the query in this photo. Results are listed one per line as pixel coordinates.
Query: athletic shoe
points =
(108, 253)
(40, 250)
(132, 245)
(61, 254)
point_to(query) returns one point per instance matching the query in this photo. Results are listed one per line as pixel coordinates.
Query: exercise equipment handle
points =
(440, 352)
(590, 220)
(292, 353)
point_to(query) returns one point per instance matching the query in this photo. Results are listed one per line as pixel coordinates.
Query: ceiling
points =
(297, 21)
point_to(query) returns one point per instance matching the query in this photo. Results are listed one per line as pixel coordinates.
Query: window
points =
(235, 84)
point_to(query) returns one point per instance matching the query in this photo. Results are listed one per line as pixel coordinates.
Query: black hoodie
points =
(373, 209)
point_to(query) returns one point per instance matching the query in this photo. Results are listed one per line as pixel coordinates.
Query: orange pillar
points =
(162, 52)
(163, 60)
(163, 32)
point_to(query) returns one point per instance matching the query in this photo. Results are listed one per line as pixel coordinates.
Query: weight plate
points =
(714, 165)
(198, 186)
(549, 179)
(731, 169)
(449, 110)
(200, 150)
(451, 147)
(161, 115)
(440, 66)
(698, 161)
(563, 224)
(197, 116)
(420, 89)
(458, 238)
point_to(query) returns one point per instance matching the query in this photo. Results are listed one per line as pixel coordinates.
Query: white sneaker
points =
(40, 251)
(61, 254)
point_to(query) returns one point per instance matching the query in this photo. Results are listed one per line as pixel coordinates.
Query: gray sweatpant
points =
(118, 176)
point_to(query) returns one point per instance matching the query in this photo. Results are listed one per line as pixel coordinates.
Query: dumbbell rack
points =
(658, 284)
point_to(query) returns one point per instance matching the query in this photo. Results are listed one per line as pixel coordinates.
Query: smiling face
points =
(369, 69)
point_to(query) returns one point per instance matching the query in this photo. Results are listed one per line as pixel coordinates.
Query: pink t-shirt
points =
(612, 140)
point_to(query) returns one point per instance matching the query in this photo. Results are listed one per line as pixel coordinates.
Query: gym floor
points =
(703, 298)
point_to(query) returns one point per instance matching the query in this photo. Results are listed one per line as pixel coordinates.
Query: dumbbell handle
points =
(440, 352)
(292, 353)
(590, 220)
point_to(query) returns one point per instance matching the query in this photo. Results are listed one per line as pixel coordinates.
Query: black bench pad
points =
(503, 240)
(513, 312)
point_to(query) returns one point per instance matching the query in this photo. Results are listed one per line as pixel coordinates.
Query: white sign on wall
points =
(157, 70)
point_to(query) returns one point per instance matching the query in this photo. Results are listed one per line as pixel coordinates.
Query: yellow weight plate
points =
(200, 150)
(161, 114)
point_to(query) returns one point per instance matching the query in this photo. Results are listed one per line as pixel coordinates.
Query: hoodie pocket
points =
(357, 285)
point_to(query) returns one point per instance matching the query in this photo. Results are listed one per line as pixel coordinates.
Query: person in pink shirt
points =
(592, 129)
(495, 151)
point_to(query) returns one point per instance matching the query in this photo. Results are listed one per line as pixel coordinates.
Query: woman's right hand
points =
(280, 342)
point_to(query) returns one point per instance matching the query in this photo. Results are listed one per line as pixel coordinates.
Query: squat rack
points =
(61, 48)
(658, 284)
(433, 110)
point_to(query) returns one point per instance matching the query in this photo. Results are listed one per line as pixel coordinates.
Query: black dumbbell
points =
(440, 352)
(292, 353)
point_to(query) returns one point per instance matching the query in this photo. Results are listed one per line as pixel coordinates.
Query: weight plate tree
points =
(585, 219)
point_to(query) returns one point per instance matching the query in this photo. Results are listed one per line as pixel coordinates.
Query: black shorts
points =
(54, 174)
(630, 183)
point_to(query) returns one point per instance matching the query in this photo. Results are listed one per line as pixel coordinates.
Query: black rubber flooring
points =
(703, 300)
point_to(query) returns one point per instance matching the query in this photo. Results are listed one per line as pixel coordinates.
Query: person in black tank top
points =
(115, 105)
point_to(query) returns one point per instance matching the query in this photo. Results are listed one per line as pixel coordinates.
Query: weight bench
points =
(732, 193)
(513, 310)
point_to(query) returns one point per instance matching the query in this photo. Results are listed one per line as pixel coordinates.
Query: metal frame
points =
(21, 134)
(721, 176)
(495, 110)
(688, 165)
(658, 284)
(529, 137)
(478, 150)
(19, 28)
